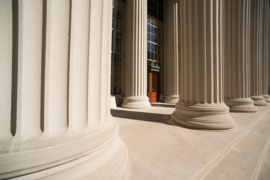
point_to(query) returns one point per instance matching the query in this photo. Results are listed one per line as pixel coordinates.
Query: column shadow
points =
(153, 117)
(163, 105)
(142, 116)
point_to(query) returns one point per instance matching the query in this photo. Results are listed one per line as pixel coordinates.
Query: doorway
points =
(152, 85)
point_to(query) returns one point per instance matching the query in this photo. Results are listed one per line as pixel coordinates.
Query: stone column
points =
(268, 53)
(136, 55)
(55, 70)
(265, 53)
(201, 59)
(171, 51)
(237, 58)
(256, 52)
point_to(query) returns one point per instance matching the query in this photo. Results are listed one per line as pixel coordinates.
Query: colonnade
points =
(216, 59)
(55, 83)
(55, 78)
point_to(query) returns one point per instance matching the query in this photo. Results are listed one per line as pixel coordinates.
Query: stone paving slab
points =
(241, 162)
(158, 149)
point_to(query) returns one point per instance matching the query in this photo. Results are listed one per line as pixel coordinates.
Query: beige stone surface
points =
(243, 162)
(264, 171)
(158, 149)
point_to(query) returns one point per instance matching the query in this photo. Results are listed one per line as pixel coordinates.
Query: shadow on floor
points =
(163, 105)
(152, 117)
(142, 116)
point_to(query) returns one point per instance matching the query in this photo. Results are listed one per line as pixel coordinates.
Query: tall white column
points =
(265, 53)
(171, 51)
(256, 52)
(136, 55)
(201, 59)
(237, 58)
(55, 115)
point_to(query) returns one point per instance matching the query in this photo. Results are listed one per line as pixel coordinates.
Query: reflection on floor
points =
(158, 149)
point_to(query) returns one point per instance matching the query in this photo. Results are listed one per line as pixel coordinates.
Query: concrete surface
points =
(158, 149)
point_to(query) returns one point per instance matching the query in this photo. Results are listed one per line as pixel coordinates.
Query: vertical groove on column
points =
(68, 64)
(105, 60)
(95, 63)
(15, 41)
(196, 59)
(237, 59)
(209, 112)
(109, 60)
(29, 69)
(265, 52)
(171, 51)
(88, 68)
(6, 30)
(43, 65)
(189, 53)
(100, 115)
(256, 51)
(56, 74)
(78, 76)
(136, 55)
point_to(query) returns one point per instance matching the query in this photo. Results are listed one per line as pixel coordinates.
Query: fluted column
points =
(55, 83)
(256, 53)
(136, 55)
(171, 51)
(237, 58)
(201, 66)
(265, 53)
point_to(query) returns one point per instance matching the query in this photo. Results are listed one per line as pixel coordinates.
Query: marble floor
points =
(158, 149)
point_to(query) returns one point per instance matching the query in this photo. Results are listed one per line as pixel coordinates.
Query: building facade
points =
(62, 60)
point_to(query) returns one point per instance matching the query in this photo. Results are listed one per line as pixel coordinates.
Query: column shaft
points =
(201, 66)
(237, 59)
(136, 55)
(265, 54)
(256, 50)
(171, 51)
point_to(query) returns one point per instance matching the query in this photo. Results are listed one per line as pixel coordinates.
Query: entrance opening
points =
(152, 80)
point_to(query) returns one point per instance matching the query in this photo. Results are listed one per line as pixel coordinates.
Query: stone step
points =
(264, 168)
(245, 160)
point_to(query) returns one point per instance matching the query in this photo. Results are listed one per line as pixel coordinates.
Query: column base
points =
(203, 116)
(136, 103)
(259, 100)
(241, 105)
(97, 155)
(267, 98)
(173, 99)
